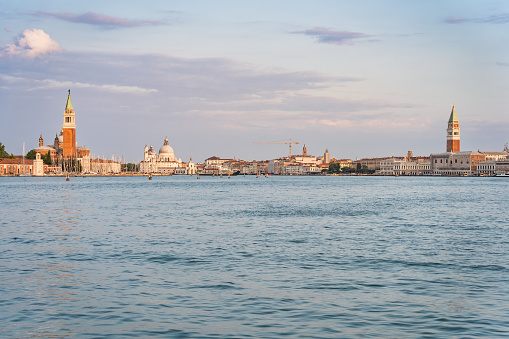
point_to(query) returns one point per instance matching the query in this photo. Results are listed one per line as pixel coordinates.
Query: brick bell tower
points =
(69, 130)
(453, 132)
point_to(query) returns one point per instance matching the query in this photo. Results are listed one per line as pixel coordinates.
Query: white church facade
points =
(164, 162)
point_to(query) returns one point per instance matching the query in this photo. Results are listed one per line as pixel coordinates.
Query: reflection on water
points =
(245, 257)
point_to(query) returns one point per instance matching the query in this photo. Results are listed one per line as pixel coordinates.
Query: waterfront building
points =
(303, 164)
(217, 165)
(163, 163)
(342, 162)
(495, 162)
(459, 163)
(405, 166)
(370, 163)
(102, 166)
(495, 156)
(16, 166)
(190, 168)
(284, 166)
(453, 132)
(64, 152)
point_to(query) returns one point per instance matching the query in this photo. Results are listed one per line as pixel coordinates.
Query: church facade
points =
(164, 162)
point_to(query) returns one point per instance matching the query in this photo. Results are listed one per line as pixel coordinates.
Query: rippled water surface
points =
(307, 257)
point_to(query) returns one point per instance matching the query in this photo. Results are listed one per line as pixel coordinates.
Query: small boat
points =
(502, 174)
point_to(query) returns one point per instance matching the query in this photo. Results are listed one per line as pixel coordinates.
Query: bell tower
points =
(69, 130)
(453, 132)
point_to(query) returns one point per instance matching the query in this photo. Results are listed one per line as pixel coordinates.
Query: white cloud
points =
(51, 83)
(32, 43)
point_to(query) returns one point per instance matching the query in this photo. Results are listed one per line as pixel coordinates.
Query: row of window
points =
(447, 161)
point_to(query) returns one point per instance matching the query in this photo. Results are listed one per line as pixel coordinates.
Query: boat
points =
(502, 174)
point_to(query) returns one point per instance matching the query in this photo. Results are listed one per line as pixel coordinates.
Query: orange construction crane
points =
(290, 143)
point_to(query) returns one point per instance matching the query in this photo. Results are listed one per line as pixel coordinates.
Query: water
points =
(298, 257)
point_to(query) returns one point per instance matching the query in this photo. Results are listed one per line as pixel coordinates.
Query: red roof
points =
(17, 161)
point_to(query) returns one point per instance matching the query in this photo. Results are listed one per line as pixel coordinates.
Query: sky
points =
(359, 78)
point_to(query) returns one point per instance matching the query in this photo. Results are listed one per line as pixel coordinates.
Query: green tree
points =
(3, 153)
(46, 158)
(129, 167)
(31, 155)
(334, 167)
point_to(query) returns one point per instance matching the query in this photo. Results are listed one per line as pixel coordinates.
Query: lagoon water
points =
(246, 257)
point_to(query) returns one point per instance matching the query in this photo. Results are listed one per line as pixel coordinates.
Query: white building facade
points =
(163, 163)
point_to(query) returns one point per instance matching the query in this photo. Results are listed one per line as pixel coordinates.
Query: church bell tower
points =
(69, 130)
(453, 132)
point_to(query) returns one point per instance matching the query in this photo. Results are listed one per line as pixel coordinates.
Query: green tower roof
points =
(452, 118)
(69, 103)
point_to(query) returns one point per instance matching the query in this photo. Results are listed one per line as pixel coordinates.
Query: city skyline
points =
(363, 80)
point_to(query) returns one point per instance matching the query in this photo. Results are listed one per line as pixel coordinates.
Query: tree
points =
(46, 158)
(129, 167)
(3, 153)
(31, 155)
(334, 167)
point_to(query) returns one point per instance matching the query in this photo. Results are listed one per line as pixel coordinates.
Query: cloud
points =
(492, 19)
(52, 83)
(328, 36)
(95, 19)
(32, 43)
(456, 20)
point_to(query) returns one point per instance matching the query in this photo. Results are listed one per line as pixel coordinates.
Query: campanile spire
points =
(69, 129)
(453, 132)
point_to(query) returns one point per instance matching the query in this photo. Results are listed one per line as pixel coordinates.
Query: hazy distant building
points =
(164, 163)
(326, 157)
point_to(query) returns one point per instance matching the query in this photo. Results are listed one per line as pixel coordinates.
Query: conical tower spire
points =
(453, 117)
(69, 130)
(453, 132)
(68, 106)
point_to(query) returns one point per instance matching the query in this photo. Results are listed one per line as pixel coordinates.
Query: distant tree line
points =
(130, 167)
(361, 169)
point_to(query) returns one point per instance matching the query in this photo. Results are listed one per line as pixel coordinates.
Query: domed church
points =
(163, 163)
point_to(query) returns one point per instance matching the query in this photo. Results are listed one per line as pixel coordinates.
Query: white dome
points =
(166, 149)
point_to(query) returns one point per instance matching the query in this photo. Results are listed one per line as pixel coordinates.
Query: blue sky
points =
(361, 78)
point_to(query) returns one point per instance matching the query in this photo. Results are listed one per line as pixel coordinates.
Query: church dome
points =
(151, 150)
(166, 149)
